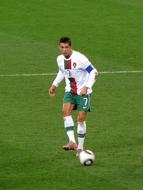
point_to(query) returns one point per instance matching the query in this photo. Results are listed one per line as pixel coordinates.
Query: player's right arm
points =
(56, 82)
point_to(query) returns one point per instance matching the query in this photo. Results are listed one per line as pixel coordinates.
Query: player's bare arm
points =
(52, 90)
(83, 91)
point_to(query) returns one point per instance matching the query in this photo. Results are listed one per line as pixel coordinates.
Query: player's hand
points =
(52, 90)
(83, 91)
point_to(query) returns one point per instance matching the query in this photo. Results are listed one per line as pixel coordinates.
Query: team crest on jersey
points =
(74, 65)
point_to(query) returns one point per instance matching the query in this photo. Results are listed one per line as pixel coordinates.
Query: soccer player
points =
(79, 75)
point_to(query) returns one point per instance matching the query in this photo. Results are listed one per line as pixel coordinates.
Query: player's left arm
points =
(92, 76)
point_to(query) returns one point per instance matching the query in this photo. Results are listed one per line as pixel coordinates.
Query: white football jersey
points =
(77, 71)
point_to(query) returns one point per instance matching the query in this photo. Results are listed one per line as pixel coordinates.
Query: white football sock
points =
(81, 131)
(69, 126)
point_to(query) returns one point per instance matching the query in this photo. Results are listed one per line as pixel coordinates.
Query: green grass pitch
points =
(110, 33)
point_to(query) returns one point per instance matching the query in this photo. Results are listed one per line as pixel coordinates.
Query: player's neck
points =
(68, 56)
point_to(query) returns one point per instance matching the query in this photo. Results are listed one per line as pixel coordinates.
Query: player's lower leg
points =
(81, 131)
(69, 126)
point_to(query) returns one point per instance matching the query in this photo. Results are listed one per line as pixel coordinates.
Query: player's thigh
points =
(68, 103)
(67, 108)
(81, 116)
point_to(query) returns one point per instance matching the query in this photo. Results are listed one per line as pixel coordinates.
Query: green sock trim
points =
(81, 135)
(70, 128)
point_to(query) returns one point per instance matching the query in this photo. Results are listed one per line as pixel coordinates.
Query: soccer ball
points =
(87, 157)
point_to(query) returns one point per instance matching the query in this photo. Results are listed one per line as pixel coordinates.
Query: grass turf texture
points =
(110, 34)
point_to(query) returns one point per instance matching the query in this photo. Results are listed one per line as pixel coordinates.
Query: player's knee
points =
(66, 112)
(81, 118)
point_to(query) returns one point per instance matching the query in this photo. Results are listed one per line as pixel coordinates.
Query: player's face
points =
(65, 49)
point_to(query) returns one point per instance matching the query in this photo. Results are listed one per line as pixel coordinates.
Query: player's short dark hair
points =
(65, 40)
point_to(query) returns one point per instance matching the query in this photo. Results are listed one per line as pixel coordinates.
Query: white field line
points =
(120, 72)
(27, 74)
(53, 74)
